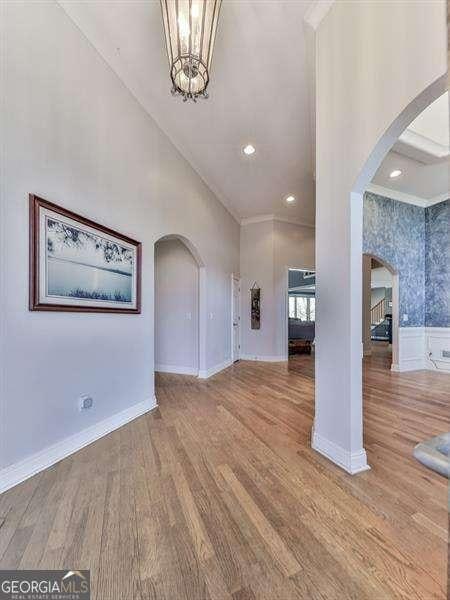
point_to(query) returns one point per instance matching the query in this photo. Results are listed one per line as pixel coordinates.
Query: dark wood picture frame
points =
(35, 205)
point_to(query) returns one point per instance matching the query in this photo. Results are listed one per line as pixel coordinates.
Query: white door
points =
(236, 319)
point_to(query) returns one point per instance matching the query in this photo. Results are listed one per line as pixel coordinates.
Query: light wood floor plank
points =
(217, 495)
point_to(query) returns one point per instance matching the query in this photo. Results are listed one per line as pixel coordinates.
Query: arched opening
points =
(179, 299)
(385, 143)
(380, 320)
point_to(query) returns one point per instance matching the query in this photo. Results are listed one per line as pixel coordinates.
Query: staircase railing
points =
(378, 312)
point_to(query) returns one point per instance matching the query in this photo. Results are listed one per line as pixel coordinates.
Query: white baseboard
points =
(175, 369)
(352, 462)
(18, 472)
(205, 374)
(282, 358)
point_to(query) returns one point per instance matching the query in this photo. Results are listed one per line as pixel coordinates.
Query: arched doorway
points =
(179, 324)
(385, 143)
(377, 309)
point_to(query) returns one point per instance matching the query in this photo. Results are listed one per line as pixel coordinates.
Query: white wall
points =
(176, 308)
(257, 264)
(73, 134)
(364, 51)
(267, 249)
(381, 278)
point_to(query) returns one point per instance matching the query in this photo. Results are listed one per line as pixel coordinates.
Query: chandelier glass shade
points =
(190, 27)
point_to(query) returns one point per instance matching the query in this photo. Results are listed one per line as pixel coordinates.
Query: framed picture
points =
(80, 266)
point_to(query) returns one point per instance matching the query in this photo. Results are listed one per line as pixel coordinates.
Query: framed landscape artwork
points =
(78, 265)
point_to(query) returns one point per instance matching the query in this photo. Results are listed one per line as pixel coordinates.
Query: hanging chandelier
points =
(190, 28)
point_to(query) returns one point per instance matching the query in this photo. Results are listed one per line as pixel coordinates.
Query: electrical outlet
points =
(85, 402)
(405, 318)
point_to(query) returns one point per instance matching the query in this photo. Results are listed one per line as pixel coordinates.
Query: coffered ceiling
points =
(422, 155)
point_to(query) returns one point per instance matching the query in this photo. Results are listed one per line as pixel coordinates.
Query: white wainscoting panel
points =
(437, 341)
(411, 349)
(422, 348)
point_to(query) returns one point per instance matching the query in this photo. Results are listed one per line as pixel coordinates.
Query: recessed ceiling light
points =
(290, 199)
(249, 149)
(395, 173)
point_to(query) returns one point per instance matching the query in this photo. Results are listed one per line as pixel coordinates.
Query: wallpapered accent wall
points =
(437, 265)
(395, 232)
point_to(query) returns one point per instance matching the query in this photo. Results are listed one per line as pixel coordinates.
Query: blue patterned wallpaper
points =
(437, 265)
(395, 232)
(416, 243)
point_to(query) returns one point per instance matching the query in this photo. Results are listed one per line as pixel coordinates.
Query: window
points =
(301, 307)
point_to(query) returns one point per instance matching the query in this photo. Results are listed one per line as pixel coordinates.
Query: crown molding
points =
(257, 219)
(425, 144)
(403, 197)
(263, 218)
(292, 221)
(438, 199)
(317, 11)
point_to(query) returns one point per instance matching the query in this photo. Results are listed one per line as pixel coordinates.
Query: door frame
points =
(235, 280)
(395, 309)
(286, 302)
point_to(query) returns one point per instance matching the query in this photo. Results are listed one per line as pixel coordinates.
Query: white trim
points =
(438, 199)
(279, 218)
(253, 357)
(175, 369)
(205, 374)
(396, 195)
(14, 474)
(437, 339)
(293, 221)
(423, 143)
(415, 345)
(257, 219)
(316, 12)
(411, 355)
(380, 190)
(352, 462)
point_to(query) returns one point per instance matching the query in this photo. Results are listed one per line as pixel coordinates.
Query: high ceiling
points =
(259, 94)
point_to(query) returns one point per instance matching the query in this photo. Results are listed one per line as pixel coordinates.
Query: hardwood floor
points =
(217, 495)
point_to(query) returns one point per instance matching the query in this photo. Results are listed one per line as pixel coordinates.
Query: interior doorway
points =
(235, 318)
(301, 316)
(177, 302)
(380, 312)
